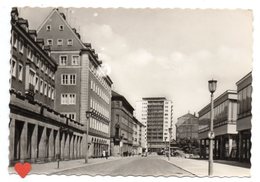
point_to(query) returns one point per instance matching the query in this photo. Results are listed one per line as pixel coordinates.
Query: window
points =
(59, 42)
(36, 83)
(37, 61)
(49, 42)
(52, 93)
(63, 59)
(68, 79)
(29, 54)
(20, 72)
(61, 27)
(32, 77)
(64, 79)
(69, 42)
(13, 67)
(41, 86)
(75, 60)
(45, 88)
(49, 91)
(68, 99)
(21, 46)
(70, 115)
(14, 40)
(48, 27)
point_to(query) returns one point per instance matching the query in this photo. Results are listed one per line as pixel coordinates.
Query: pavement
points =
(141, 166)
(220, 168)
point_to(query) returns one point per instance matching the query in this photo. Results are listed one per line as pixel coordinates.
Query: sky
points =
(170, 53)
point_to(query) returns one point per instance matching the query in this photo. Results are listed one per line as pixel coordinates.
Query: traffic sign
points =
(211, 135)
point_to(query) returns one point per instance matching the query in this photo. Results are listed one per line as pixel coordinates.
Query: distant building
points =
(122, 126)
(187, 127)
(37, 131)
(225, 120)
(137, 137)
(244, 89)
(81, 84)
(156, 114)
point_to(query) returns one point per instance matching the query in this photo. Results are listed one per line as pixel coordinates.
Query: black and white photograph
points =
(130, 91)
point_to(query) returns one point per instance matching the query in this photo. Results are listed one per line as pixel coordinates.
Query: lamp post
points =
(212, 88)
(165, 139)
(170, 137)
(88, 114)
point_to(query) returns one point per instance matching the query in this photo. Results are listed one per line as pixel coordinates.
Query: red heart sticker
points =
(22, 169)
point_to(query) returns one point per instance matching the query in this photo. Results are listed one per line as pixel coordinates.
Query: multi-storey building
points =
(187, 127)
(137, 137)
(80, 81)
(244, 90)
(37, 131)
(122, 126)
(225, 119)
(156, 114)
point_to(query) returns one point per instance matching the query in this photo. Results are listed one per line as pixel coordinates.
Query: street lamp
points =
(170, 136)
(88, 114)
(212, 88)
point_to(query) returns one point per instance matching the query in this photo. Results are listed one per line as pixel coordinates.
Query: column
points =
(51, 145)
(75, 148)
(62, 146)
(11, 139)
(221, 148)
(71, 146)
(230, 141)
(67, 147)
(57, 144)
(42, 143)
(24, 141)
(34, 143)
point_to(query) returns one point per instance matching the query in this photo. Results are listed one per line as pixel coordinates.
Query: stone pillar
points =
(42, 144)
(51, 145)
(67, 147)
(71, 146)
(62, 146)
(11, 139)
(230, 141)
(57, 144)
(24, 141)
(75, 147)
(34, 143)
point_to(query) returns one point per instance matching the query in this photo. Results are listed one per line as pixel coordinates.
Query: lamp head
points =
(212, 86)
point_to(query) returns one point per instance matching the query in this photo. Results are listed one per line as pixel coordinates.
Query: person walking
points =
(103, 153)
(106, 153)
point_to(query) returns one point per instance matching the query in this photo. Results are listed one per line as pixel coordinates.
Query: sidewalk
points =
(220, 168)
(51, 167)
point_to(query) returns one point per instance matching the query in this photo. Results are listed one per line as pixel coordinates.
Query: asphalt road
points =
(130, 166)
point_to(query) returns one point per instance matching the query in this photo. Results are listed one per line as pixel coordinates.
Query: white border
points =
(4, 82)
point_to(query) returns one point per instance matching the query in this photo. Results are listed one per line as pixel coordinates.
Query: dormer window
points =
(69, 42)
(59, 42)
(48, 27)
(61, 27)
(49, 42)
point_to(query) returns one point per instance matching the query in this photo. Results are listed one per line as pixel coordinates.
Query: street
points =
(134, 166)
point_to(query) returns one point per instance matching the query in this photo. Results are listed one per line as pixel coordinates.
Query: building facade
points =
(244, 89)
(137, 137)
(37, 131)
(81, 83)
(156, 114)
(225, 120)
(122, 126)
(187, 127)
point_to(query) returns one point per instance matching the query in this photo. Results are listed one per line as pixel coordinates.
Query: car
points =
(144, 154)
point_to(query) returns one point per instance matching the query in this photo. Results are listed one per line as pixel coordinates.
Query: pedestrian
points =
(103, 153)
(106, 153)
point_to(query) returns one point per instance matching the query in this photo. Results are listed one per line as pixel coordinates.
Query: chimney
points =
(23, 23)
(87, 45)
(63, 16)
(40, 42)
(96, 56)
(33, 34)
(47, 49)
(14, 13)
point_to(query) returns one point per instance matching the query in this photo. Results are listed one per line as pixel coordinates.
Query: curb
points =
(181, 168)
(83, 165)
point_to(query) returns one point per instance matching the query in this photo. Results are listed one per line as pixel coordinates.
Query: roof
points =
(154, 98)
(117, 96)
